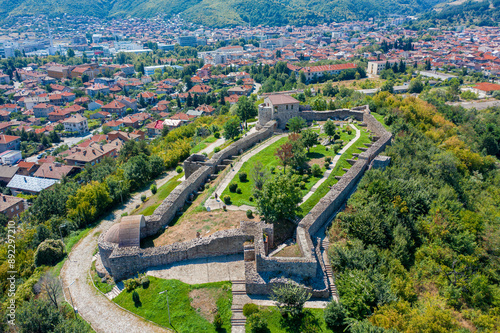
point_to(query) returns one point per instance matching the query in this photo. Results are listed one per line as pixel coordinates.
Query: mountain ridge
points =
(223, 13)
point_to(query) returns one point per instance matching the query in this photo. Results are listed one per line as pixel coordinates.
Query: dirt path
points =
(95, 308)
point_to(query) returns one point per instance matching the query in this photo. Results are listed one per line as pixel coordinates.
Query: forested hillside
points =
(224, 12)
(417, 248)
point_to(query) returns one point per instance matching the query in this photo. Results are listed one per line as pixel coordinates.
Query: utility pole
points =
(168, 306)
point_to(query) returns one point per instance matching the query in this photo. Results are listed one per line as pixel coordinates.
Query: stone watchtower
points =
(280, 108)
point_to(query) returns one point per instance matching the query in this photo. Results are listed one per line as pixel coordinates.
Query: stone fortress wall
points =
(253, 239)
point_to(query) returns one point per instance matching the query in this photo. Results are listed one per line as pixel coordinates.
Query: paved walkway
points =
(212, 203)
(332, 164)
(95, 308)
(197, 271)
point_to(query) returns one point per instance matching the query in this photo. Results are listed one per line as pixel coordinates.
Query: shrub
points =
(335, 315)
(145, 282)
(250, 198)
(249, 309)
(257, 324)
(305, 178)
(238, 190)
(216, 135)
(242, 176)
(273, 169)
(328, 159)
(249, 213)
(207, 186)
(336, 137)
(216, 149)
(227, 199)
(143, 197)
(336, 148)
(49, 252)
(130, 284)
(316, 170)
(290, 298)
(153, 189)
(233, 187)
(136, 298)
(302, 185)
(124, 214)
(178, 169)
(327, 165)
(218, 321)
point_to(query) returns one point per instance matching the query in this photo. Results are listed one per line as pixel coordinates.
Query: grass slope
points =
(184, 317)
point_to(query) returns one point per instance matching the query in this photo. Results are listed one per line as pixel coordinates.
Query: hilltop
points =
(220, 13)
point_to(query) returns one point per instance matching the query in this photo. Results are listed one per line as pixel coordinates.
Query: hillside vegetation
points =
(224, 12)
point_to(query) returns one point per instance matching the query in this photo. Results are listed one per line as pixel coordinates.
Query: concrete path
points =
(95, 308)
(215, 269)
(217, 204)
(332, 164)
(210, 148)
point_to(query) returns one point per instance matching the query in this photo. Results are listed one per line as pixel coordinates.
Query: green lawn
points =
(269, 160)
(203, 144)
(380, 119)
(153, 202)
(312, 321)
(337, 171)
(184, 317)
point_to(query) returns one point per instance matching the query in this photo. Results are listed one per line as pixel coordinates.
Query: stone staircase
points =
(238, 320)
(325, 244)
(117, 289)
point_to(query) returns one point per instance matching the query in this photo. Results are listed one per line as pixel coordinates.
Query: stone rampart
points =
(335, 114)
(175, 201)
(193, 163)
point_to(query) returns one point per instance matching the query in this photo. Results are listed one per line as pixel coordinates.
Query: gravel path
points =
(95, 308)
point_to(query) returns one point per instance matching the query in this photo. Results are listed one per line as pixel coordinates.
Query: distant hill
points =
(220, 13)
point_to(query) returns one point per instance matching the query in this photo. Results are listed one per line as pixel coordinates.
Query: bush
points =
(327, 165)
(207, 186)
(249, 213)
(273, 169)
(136, 298)
(334, 315)
(328, 159)
(216, 149)
(233, 187)
(257, 324)
(305, 178)
(178, 169)
(242, 176)
(227, 199)
(153, 189)
(336, 148)
(49, 252)
(238, 190)
(143, 197)
(302, 185)
(249, 309)
(217, 135)
(218, 321)
(145, 282)
(316, 170)
(250, 198)
(130, 284)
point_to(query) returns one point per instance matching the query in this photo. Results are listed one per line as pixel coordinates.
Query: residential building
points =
(29, 185)
(11, 206)
(76, 123)
(9, 142)
(55, 170)
(42, 110)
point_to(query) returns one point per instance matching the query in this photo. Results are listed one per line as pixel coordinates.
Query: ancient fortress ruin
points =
(119, 247)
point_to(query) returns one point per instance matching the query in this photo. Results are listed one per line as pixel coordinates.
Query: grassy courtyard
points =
(337, 171)
(269, 161)
(203, 144)
(192, 307)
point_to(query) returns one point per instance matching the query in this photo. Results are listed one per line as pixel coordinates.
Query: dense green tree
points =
(278, 199)
(290, 298)
(232, 128)
(309, 138)
(329, 128)
(245, 109)
(296, 124)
